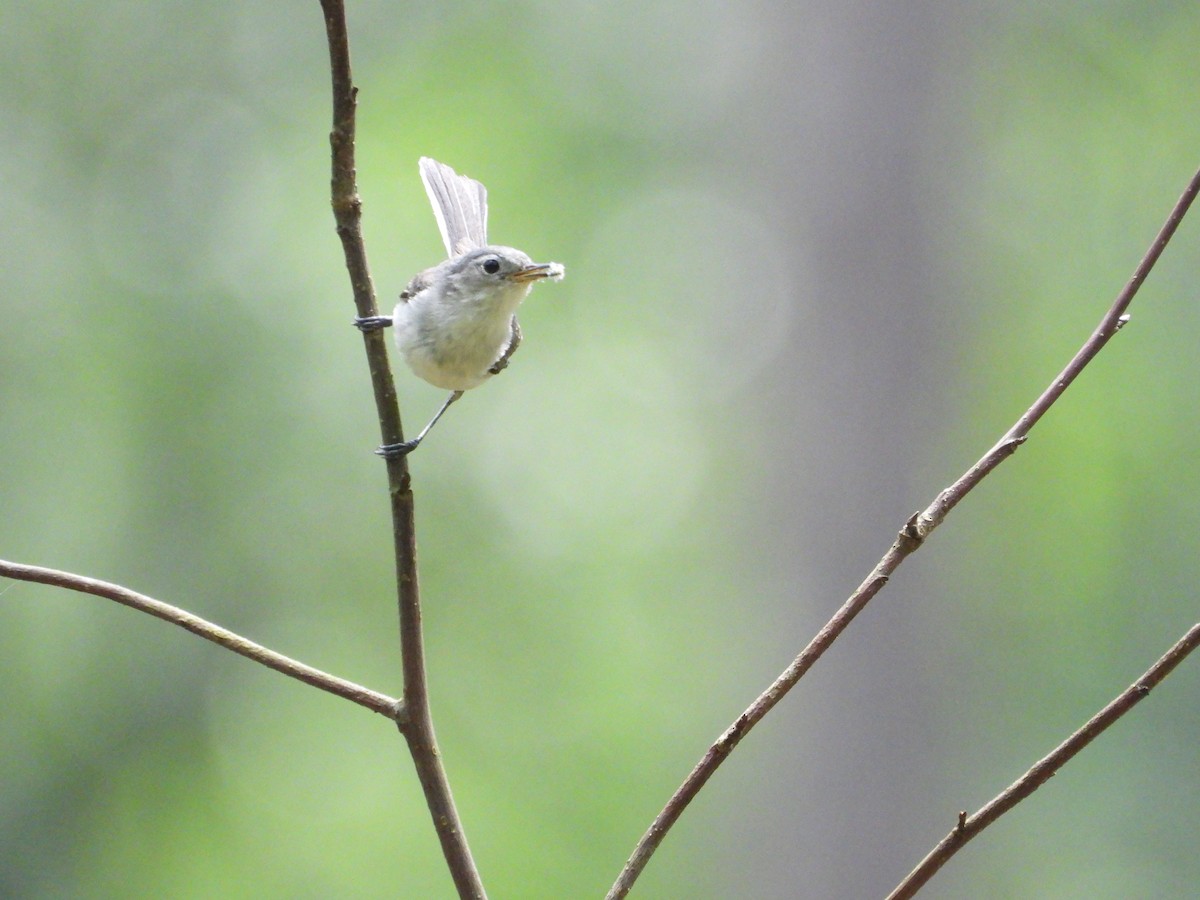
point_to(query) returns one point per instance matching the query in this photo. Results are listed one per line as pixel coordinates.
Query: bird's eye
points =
(491, 266)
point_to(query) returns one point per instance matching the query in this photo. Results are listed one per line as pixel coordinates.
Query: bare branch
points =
(911, 537)
(1043, 770)
(347, 213)
(417, 726)
(372, 700)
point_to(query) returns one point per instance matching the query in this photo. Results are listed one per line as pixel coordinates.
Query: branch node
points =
(962, 822)
(400, 715)
(1009, 445)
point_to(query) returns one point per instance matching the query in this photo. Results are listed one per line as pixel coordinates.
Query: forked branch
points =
(417, 724)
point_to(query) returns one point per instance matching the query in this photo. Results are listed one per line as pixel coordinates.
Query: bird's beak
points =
(538, 271)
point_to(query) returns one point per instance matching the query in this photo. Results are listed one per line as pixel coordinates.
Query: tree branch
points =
(372, 700)
(417, 723)
(1044, 769)
(910, 538)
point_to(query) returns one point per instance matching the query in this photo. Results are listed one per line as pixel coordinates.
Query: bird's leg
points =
(372, 323)
(394, 451)
(513, 343)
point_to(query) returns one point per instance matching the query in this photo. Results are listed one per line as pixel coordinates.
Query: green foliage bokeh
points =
(815, 266)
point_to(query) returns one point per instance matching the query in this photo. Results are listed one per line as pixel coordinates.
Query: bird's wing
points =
(459, 204)
(416, 284)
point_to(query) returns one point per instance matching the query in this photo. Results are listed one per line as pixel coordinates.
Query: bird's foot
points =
(395, 451)
(372, 323)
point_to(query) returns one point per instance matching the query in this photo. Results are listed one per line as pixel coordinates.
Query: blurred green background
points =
(820, 255)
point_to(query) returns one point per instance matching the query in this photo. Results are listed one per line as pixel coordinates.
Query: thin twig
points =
(355, 693)
(1044, 769)
(347, 213)
(416, 723)
(910, 538)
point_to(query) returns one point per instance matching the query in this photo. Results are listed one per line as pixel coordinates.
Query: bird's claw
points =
(395, 451)
(372, 323)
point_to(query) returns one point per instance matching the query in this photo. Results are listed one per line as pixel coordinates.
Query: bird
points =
(456, 323)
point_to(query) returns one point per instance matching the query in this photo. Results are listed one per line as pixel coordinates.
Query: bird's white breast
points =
(452, 341)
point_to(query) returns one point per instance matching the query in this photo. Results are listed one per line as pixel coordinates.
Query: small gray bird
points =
(456, 323)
